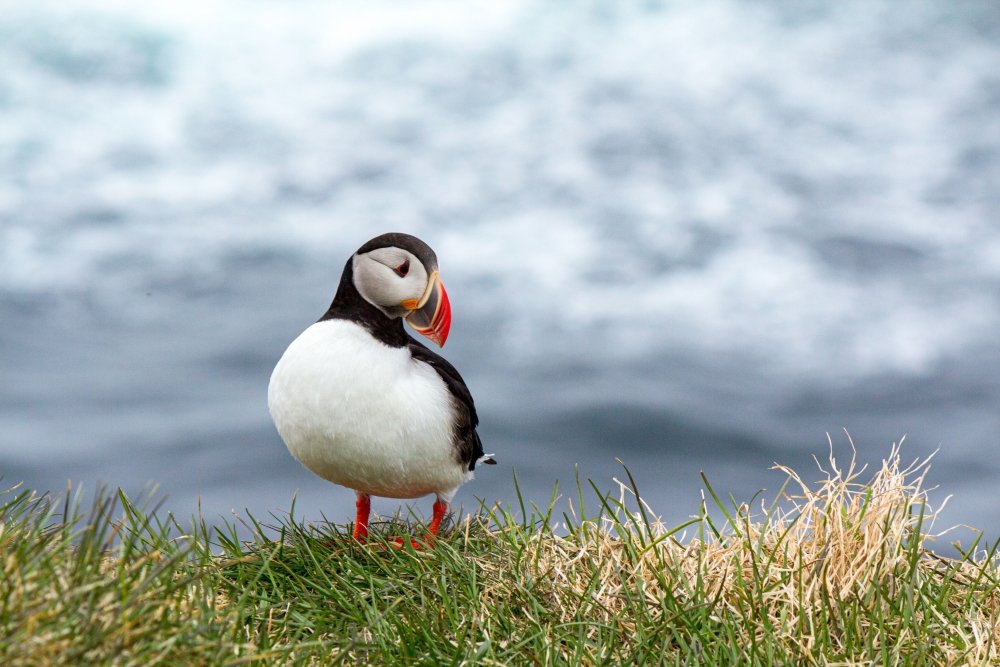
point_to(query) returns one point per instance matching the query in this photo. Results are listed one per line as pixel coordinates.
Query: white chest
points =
(364, 415)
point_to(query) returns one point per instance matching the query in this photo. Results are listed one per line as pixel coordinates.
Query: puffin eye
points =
(403, 269)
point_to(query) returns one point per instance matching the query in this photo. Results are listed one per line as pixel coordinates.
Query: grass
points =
(838, 572)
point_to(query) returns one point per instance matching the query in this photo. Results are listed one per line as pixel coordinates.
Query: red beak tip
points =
(440, 321)
(444, 326)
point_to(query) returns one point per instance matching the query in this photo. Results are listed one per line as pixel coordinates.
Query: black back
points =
(470, 447)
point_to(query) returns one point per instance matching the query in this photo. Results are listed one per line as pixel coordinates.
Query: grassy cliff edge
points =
(838, 572)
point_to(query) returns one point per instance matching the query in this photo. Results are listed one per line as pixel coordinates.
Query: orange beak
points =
(431, 315)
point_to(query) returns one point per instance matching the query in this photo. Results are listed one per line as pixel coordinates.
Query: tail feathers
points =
(487, 459)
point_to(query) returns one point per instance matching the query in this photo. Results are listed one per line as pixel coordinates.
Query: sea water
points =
(691, 236)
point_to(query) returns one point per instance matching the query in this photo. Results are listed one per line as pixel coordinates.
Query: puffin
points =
(361, 403)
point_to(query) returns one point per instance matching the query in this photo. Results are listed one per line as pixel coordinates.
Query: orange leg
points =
(440, 509)
(364, 505)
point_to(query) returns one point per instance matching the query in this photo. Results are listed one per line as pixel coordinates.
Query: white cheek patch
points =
(378, 283)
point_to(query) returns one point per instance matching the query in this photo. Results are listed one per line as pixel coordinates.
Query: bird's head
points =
(398, 274)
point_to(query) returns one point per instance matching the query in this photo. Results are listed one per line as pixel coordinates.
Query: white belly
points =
(364, 415)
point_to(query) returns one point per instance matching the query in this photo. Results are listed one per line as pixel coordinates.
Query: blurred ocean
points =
(694, 235)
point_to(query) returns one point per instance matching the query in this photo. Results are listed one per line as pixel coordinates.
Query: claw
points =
(400, 542)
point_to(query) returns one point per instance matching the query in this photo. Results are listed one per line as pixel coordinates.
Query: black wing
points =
(470, 447)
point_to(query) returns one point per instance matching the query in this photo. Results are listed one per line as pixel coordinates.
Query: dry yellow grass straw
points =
(790, 571)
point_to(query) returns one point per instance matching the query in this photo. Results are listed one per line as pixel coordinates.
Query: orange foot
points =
(361, 524)
(400, 542)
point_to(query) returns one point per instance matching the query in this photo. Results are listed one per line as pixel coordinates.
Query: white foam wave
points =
(711, 176)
